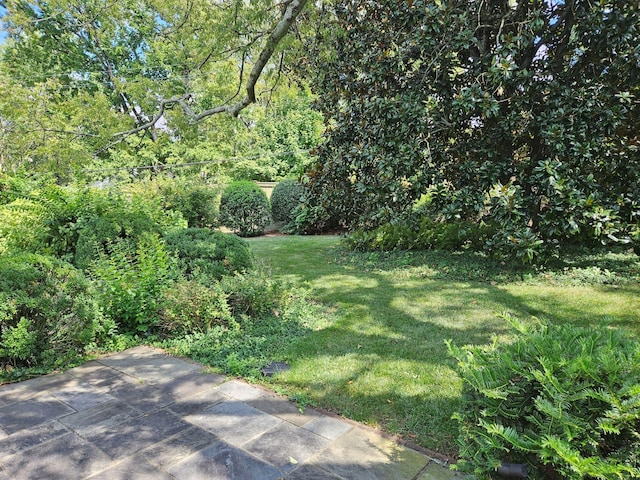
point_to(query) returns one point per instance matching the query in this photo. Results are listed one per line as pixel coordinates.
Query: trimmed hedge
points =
(245, 208)
(208, 255)
(48, 312)
(286, 196)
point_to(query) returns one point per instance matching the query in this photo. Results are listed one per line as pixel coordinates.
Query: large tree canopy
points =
(524, 113)
(156, 66)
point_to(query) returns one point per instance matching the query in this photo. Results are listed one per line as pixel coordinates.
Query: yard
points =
(380, 356)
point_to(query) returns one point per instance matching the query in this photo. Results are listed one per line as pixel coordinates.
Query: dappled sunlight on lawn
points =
(382, 358)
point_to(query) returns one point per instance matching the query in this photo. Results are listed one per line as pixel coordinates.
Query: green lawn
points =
(381, 358)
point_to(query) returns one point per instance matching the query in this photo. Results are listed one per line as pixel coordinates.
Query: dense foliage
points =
(245, 208)
(48, 311)
(522, 113)
(206, 256)
(563, 400)
(286, 196)
(104, 267)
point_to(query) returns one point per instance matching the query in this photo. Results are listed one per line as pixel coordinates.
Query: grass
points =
(381, 357)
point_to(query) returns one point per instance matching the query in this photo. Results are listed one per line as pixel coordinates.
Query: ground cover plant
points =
(383, 358)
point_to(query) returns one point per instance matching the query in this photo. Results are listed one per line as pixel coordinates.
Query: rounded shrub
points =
(245, 209)
(48, 312)
(564, 401)
(286, 196)
(207, 255)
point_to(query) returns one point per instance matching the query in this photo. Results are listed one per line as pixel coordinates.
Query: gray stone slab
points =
(284, 409)
(159, 370)
(3, 474)
(234, 422)
(85, 368)
(146, 398)
(66, 457)
(95, 373)
(311, 472)
(131, 357)
(133, 468)
(134, 435)
(24, 440)
(26, 414)
(240, 390)
(18, 392)
(286, 446)
(328, 427)
(179, 447)
(364, 455)
(104, 416)
(191, 384)
(224, 462)
(79, 395)
(197, 404)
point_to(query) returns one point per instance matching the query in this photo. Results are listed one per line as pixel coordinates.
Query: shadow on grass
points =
(384, 360)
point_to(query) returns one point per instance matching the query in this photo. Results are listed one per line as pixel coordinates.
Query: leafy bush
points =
(22, 226)
(255, 294)
(130, 281)
(561, 399)
(12, 187)
(103, 218)
(188, 307)
(420, 233)
(244, 208)
(309, 219)
(48, 311)
(195, 200)
(245, 344)
(286, 196)
(207, 255)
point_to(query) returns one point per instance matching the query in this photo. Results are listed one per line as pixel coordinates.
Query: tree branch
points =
(294, 7)
(291, 10)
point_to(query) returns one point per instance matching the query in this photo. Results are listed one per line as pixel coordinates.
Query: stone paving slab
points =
(65, 457)
(133, 468)
(142, 414)
(32, 412)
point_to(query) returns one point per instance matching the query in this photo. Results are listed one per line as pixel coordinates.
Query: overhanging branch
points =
(292, 9)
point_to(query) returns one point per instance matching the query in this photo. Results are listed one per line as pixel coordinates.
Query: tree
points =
(522, 113)
(161, 65)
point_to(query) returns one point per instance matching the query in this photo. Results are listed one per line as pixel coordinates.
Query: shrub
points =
(561, 399)
(188, 306)
(12, 188)
(421, 233)
(244, 208)
(207, 255)
(286, 196)
(103, 218)
(255, 294)
(130, 281)
(22, 226)
(48, 311)
(195, 200)
(309, 219)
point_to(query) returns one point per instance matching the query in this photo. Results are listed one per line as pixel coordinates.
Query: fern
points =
(564, 400)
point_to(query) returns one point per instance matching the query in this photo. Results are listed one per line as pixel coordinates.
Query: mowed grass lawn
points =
(381, 357)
